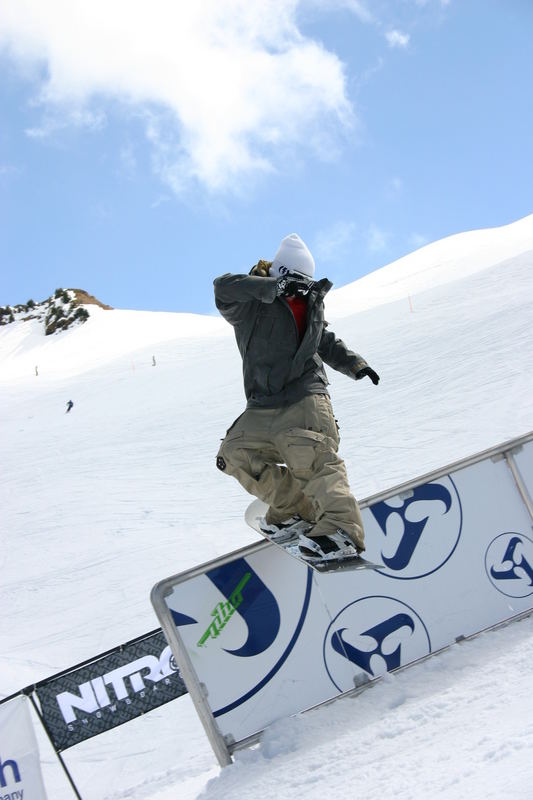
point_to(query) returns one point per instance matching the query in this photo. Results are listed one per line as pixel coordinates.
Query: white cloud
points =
(74, 117)
(396, 38)
(394, 188)
(418, 240)
(377, 239)
(360, 10)
(223, 84)
(9, 173)
(424, 3)
(333, 243)
(357, 7)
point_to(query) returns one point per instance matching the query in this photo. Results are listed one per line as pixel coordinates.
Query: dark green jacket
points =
(278, 369)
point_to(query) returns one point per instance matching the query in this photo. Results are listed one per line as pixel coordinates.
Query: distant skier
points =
(69, 406)
(284, 447)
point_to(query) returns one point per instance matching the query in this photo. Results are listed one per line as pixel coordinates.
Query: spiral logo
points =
(372, 636)
(509, 564)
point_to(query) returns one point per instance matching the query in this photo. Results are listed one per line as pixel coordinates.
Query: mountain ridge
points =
(118, 333)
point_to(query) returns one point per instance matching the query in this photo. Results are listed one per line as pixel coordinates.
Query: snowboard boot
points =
(330, 547)
(282, 532)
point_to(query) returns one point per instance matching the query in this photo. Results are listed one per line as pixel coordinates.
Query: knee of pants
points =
(301, 449)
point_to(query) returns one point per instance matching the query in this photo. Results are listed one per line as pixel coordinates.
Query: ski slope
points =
(100, 504)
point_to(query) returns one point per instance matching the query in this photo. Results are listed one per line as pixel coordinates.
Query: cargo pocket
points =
(300, 449)
(327, 423)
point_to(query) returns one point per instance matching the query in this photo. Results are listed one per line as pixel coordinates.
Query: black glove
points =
(292, 286)
(362, 373)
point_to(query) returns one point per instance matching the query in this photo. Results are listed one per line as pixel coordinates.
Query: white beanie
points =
(293, 256)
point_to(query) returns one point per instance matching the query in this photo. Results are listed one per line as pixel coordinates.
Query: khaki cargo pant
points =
(288, 457)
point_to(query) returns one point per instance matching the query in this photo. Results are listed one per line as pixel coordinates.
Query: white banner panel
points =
(266, 637)
(20, 769)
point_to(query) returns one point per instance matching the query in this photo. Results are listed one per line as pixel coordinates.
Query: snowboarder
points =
(69, 406)
(284, 447)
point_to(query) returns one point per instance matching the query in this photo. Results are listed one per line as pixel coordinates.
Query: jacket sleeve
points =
(336, 355)
(233, 292)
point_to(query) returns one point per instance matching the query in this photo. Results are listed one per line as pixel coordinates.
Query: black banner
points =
(109, 691)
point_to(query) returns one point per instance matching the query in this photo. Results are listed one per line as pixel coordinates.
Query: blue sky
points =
(147, 147)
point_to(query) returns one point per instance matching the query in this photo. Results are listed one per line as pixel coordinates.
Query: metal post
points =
(520, 485)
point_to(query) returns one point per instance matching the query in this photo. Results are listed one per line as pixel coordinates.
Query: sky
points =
(147, 147)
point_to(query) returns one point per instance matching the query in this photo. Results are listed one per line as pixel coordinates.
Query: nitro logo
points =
(392, 635)
(418, 532)
(118, 684)
(509, 564)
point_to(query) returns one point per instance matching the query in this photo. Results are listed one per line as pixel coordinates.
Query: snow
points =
(426, 732)
(100, 504)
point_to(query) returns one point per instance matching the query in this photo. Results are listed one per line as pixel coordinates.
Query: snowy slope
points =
(106, 336)
(100, 504)
(452, 258)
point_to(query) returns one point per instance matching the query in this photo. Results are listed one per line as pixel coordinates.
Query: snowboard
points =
(255, 513)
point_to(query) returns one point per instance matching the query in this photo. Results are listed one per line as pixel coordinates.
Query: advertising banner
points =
(20, 768)
(109, 691)
(260, 636)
